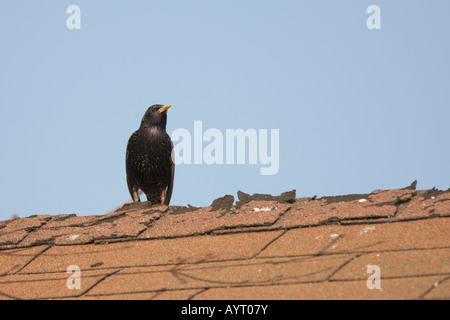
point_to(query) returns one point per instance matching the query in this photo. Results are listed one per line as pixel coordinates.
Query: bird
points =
(149, 163)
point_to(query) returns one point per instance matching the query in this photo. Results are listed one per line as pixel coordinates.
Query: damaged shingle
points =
(346, 198)
(244, 198)
(223, 203)
(433, 193)
(412, 186)
(181, 209)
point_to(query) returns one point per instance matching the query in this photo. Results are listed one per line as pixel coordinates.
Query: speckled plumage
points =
(149, 164)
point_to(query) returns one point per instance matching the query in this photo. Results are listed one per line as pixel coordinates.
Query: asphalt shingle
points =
(261, 247)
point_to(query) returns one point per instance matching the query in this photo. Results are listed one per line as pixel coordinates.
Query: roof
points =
(261, 247)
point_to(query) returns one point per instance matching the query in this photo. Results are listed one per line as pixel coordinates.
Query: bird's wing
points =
(172, 174)
(131, 180)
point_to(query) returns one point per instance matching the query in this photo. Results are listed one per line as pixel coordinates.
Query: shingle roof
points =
(261, 247)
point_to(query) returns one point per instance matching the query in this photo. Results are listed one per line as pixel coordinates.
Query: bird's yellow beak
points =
(162, 109)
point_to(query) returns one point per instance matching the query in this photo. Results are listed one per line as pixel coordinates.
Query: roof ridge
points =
(257, 212)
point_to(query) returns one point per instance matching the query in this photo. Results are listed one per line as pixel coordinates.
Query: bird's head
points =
(156, 116)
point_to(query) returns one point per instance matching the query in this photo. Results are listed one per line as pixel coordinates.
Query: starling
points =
(149, 163)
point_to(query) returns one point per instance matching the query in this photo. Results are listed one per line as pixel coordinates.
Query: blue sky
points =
(357, 109)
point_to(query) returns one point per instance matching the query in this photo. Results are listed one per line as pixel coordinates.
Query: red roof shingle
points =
(262, 247)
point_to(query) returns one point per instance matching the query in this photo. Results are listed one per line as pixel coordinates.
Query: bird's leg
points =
(135, 196)
(163, 196)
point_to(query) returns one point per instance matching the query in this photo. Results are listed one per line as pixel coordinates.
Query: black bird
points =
(149, 163)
